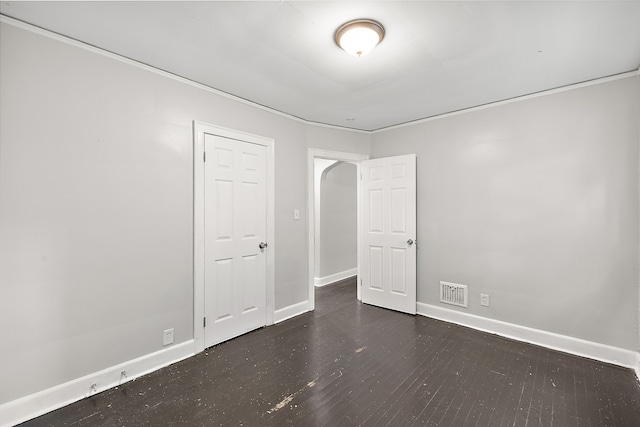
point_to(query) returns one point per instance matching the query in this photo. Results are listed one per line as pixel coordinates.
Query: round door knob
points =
(410, 242)
(262, 245)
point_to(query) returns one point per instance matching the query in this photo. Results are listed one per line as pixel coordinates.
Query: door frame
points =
(312, 154)
(199, 131)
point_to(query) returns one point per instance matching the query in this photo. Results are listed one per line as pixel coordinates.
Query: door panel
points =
(388, 232)
(398, 271)
(375, 268)
(223, 296)
(235, 224)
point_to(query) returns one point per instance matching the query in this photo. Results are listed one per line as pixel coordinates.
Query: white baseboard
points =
(638, 365)
(291, 311)
(579, 347)
(332, 278)
(34, 405)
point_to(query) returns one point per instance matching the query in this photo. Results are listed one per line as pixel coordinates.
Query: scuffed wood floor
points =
(349, 364)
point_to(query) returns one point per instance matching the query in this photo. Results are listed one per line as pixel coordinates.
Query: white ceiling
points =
(436, 57)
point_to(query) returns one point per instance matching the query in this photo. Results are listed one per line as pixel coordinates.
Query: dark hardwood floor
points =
(349, 364)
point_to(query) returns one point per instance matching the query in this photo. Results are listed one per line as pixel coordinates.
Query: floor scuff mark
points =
(284, 402)
(281, 405)
(85, 418)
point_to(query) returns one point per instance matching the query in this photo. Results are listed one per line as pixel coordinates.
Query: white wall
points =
(535, 203)
(96, 217)
(338, 220)
(319, 166)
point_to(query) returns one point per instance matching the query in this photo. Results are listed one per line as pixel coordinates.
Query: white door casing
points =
(388, 251)
(235, 228)
(210, 262)
(314, 153)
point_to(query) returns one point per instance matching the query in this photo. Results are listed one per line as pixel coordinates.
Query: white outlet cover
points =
(484, 300)
(167, 337)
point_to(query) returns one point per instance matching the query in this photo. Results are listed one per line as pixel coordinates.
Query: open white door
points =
(388, 243)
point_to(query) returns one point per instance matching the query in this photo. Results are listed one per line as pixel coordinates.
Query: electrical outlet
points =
(484, 300)
(167, 337)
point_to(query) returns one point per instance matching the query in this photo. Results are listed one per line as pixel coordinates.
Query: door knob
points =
(410, 242)
(262, 245)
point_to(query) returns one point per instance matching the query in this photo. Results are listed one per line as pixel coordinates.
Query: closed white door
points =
(388, 243)
(235, 230)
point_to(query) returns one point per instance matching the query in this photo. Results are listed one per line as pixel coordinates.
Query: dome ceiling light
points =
(359, 37)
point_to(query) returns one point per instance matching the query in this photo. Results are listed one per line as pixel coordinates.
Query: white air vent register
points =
(452, 293)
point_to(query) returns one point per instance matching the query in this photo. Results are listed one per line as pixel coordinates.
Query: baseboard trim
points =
(34, 405)
(332, 278)
(576, 346)
(638, 365)
(290, 311)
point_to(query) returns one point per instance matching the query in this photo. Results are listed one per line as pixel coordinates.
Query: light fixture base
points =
(360, 36)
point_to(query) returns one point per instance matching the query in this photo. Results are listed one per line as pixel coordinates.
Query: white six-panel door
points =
(388, 248)
(235, 226)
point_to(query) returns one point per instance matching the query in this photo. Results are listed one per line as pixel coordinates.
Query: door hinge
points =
(204, 156)
(204, 322)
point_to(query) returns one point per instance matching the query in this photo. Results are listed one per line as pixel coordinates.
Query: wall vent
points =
(452, 293)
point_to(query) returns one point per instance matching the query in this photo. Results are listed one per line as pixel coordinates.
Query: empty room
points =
(320, 213)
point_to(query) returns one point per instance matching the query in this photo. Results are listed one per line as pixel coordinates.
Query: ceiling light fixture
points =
(359, 37)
